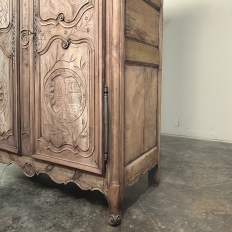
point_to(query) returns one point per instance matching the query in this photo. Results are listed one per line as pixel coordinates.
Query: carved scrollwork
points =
(28, 170)
(77, 175)
(24, 37)
(50, 9)
(49, 168)
(82, 30)
(114, 220)
(65, 44)
(59, 174)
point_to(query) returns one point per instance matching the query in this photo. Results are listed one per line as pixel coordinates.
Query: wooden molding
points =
(59, 174)
(138, 52)
(133, 171)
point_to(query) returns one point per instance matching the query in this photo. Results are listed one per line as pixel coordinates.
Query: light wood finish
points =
(142, 53)
(55, 59)
(155, 3)
(9, 76)
(142, 22)
(70, 77)
(59, 174)
(140, 166)
(140, 111)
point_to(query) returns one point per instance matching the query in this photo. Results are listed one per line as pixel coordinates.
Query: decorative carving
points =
(114, 220)
(28, 170)
(5, 132)
(8, 111)
(83, 29)
(24, 37)
(4, 13)
(35, 33)
(13, 39)
(70, 80)
(51, 8)
(60, 175)
(3, 94)
(65, 95)
(114, 200)
(65, 92)
(77, 175)
(49, 168)
(25, 93)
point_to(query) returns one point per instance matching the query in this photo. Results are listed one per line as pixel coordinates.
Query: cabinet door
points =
(8, 76)
(69, 83)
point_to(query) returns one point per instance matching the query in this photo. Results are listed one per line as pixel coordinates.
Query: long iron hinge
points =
(106, 123)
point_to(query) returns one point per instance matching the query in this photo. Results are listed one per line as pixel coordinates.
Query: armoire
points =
(80, 92)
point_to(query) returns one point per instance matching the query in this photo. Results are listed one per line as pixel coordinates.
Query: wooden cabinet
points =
(80, 87)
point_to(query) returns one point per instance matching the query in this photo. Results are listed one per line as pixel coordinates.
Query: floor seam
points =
(2, 172)
(148, 216)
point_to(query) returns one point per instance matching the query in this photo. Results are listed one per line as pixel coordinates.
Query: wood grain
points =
(53, 114)
(150, 108)
(140, 166)
(9, 121)
(140, 111)
(142, 22)
(69, 85)
(58, 173)
(142, 53)
(27, 83)
(155, 3)
(134, 112)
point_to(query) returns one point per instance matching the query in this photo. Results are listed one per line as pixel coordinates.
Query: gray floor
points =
(195, 194)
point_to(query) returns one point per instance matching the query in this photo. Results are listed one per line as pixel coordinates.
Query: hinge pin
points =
(106, 124)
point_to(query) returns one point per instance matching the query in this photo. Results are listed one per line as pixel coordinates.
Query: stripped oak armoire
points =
(80, 88)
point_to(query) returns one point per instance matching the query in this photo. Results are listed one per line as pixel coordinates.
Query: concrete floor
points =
(195, 194)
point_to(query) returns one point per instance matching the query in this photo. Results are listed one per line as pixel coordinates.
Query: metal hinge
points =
(106, 123)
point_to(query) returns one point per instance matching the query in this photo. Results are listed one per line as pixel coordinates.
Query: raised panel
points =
(8, 77)
(134, 112)
(150, 108)
(140, 111)
(142, 22)
(69, 84)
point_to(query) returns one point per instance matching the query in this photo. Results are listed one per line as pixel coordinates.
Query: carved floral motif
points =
(65, 95)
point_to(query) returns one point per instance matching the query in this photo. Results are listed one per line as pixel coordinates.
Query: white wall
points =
(197, 69)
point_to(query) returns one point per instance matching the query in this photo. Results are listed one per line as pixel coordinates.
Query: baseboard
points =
(197, 135)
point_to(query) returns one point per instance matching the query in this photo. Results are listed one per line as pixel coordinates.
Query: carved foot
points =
(114, 200)
(114, 220)
(154, 176)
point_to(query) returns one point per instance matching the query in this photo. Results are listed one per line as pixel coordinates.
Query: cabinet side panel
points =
(142, 22)
(142, 66)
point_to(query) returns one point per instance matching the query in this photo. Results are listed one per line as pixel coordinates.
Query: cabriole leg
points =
(114, 200)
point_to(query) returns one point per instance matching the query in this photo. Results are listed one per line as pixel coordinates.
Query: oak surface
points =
(55, 59)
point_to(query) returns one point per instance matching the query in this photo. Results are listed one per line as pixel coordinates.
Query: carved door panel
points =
(69, 83)
(8, 76)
